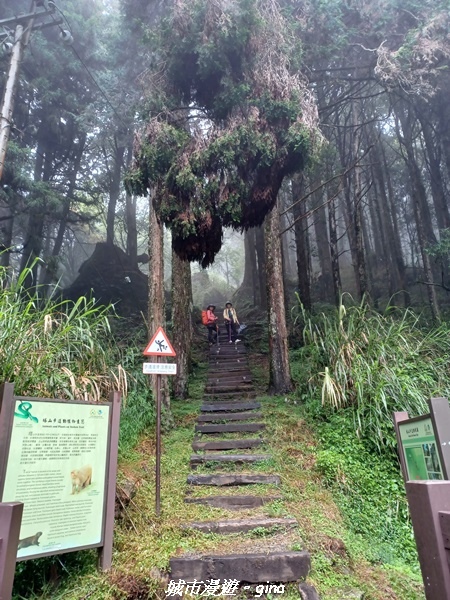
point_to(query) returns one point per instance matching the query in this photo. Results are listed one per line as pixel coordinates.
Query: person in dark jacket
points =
(213, 328)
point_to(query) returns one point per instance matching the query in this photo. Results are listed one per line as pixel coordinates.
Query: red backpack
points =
(204, 317)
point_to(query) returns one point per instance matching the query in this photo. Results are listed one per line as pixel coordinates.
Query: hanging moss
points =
(229, 59)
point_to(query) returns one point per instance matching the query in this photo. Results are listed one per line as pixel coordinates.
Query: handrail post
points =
(10, 522)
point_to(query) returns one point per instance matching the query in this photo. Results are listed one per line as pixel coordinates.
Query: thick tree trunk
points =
(115, 177)
(335, 271)
(301, 242)
(260, 254)
(182, 323)
(36, 219)
(130, 217)
(420, 206)
(392, 227)
(280, 377)
(156, 302)
(438, 190)
(250, 281)
(323, 247)
(50, 274)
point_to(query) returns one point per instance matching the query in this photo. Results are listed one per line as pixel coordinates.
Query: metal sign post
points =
(158, 346)
(158, 444)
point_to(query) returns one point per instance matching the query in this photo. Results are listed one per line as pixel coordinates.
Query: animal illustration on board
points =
(81, 478)
(33, 540)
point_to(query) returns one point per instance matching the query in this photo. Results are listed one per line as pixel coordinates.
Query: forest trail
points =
(230, 453)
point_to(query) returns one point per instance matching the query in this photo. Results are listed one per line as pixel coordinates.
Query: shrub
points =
(56, 349)
(374, 364)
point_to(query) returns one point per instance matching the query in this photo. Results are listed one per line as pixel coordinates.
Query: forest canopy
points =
(229, 116)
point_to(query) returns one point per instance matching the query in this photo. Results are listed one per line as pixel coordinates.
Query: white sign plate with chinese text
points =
(160, 368)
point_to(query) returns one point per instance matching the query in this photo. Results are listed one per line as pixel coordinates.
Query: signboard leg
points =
(10, 521)
(105, 552)
(426, 499)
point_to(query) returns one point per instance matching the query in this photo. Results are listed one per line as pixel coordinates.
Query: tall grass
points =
(56, 349)
(373, 363)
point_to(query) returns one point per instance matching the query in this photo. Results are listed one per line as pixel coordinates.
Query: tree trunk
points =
(323, 247)
(6, 232)
(280, 377)
(182, 323)
(130, 217)
(114, 190)
(36, 218)
(260, 254)
(250, 281)
(420, 207)
(335, 271)
(301, 243)
(156, 301)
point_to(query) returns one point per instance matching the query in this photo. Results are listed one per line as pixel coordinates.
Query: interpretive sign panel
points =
(56, 460)
(420, 449)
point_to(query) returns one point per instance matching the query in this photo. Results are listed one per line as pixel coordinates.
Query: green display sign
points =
(420, 449)
(57, 466)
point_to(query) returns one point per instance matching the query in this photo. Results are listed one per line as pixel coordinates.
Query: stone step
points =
(233, 502)
(244, 395)
(201, 459)
(249, 568)
(229, 406)
(221, 388)
(226, 376)
(227, 366)
(241, 525)
(227, 351)
(228, 444)
(232, 428)
(221, 479)
(243, 416)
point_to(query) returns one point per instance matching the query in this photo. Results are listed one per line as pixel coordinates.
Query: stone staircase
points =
(230, 450)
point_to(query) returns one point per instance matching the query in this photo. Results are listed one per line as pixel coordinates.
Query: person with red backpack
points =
(210, 320)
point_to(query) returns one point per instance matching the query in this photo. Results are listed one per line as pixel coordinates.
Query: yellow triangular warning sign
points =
(159, 345)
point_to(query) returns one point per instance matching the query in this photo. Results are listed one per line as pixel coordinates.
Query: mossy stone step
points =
(200, 459)
(242, 416)
(243, 395)
(233, 428)
(228, 444)
(227, 376)
(229, 406)
(241, 525)
(249, 568)
(242, 387)
(233, 502)
(221, 479)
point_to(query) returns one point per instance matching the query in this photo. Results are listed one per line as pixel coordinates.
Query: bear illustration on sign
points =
(81, 478)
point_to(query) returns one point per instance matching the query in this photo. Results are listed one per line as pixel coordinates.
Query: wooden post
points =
(105, 551)
(10, 521)
(426, 500)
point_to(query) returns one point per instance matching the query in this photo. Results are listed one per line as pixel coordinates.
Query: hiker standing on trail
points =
(231, 320)
(211, 324)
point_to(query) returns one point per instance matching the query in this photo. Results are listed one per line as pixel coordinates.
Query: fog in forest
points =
(366, 213)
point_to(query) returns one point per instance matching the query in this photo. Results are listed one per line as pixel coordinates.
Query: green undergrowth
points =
(345, 556)
(348, 502)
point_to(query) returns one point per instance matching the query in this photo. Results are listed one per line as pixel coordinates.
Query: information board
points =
(57, 462)
(420, 449)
